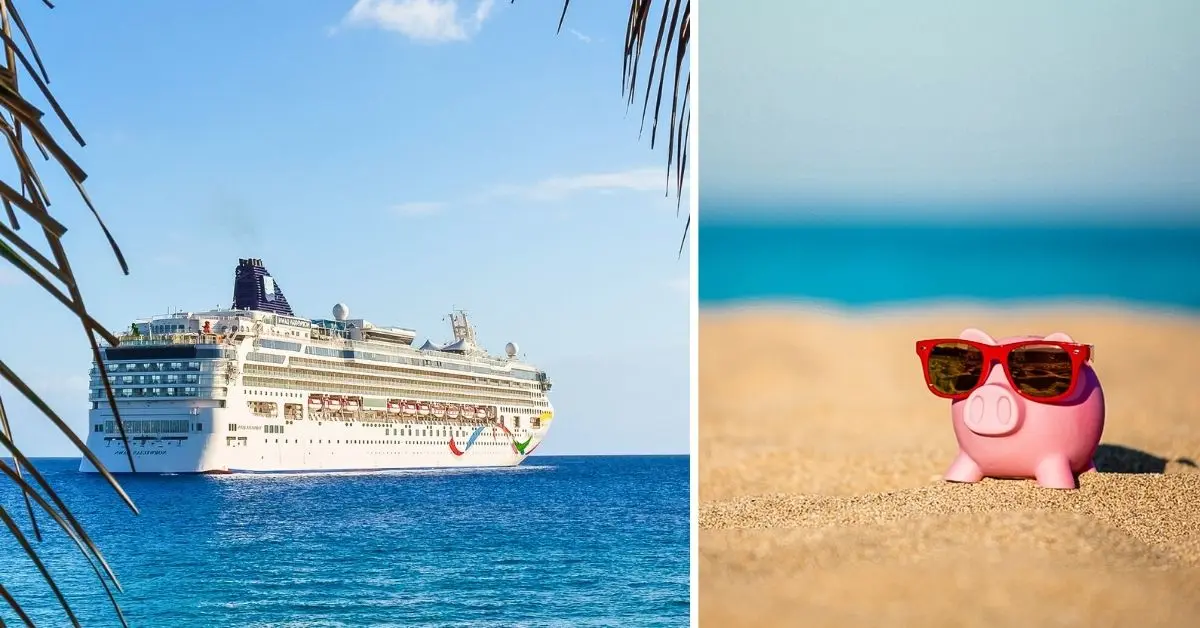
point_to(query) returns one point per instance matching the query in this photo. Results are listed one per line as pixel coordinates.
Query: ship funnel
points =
(255, 289)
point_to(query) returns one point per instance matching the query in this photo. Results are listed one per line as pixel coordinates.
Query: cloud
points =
(426, 21)
(60, 384)
(418, 208)
(558, 188)
(10, 276)
(681, 284)
(580, 36)
(638, 180)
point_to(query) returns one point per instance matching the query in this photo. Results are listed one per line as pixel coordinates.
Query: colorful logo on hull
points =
(518, 447)
(470, 441)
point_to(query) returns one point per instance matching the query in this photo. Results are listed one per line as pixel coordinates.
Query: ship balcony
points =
(182, 338)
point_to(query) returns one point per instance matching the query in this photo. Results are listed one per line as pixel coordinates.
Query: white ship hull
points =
(306, 445)
(256, 389)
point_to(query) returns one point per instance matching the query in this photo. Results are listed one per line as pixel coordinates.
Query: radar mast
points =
(463, 331)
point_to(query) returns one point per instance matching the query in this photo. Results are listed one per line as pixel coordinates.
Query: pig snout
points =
(992, 410)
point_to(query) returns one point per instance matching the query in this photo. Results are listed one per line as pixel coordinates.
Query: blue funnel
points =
(255, 289)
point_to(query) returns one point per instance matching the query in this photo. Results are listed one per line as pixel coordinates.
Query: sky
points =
(401, 156)
(925, 106)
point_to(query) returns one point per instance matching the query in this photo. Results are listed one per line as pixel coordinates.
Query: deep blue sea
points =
(863, 265)
(559, 541)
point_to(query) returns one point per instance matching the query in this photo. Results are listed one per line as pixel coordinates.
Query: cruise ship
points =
(257, 389)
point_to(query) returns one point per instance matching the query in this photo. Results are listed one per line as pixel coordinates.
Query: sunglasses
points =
(1039, 370)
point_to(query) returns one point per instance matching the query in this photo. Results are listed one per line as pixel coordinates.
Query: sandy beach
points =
(821, 499)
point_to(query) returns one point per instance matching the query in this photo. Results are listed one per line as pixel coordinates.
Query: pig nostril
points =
(976, 410)
(1004, 411)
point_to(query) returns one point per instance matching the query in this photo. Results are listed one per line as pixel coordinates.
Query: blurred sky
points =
(400, 156)
(1076, 107)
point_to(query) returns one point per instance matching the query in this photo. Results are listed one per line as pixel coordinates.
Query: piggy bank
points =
(1022, 407)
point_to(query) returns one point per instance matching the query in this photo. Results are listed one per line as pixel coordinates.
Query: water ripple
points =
(566, 542)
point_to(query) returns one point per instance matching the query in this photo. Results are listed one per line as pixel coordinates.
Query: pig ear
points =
(977, 336)
(1058, 336)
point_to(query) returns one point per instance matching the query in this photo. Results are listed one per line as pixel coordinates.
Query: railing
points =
(128, 339)
(387, 383)
(332, 385)
(336, 342)
(408, 373)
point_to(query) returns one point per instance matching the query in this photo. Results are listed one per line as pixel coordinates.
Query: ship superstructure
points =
(255, 388)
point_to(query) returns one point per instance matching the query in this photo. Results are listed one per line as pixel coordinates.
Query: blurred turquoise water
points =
(863, 265)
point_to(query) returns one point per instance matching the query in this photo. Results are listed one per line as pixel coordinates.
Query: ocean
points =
(858, 265)
(558, 541)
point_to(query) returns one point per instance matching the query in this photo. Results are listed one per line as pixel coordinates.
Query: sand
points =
(821, 502)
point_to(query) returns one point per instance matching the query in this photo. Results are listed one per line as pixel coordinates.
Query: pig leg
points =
(1055, 472)
(963, 469)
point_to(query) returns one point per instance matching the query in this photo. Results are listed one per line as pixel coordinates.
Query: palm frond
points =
(673, 33)
(20, 119)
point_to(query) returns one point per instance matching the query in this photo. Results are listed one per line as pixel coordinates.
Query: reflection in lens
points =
(955, 368)
(1040, 370)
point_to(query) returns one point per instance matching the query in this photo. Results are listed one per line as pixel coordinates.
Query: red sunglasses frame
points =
(1080, 354)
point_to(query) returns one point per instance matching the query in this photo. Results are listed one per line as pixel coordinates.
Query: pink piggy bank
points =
(1023, 407)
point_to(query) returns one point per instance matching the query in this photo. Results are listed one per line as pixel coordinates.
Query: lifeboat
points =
(424, 409)
(352, 403)
(410, 407)
(491, 412)
(480, 412)
(439, 410)
(452, 411)
(393, 406)
(334, 403)
(315, 402)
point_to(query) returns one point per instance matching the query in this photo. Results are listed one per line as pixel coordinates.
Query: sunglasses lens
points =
(1040, 370)
(955, 368)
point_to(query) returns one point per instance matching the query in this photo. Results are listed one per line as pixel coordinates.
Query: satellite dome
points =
(511, 349)
(341, 312)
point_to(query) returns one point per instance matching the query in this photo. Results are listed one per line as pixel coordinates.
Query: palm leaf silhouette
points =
(22, 123)
(668, 65)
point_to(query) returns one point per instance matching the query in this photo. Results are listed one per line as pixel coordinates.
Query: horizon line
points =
(8, 459)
